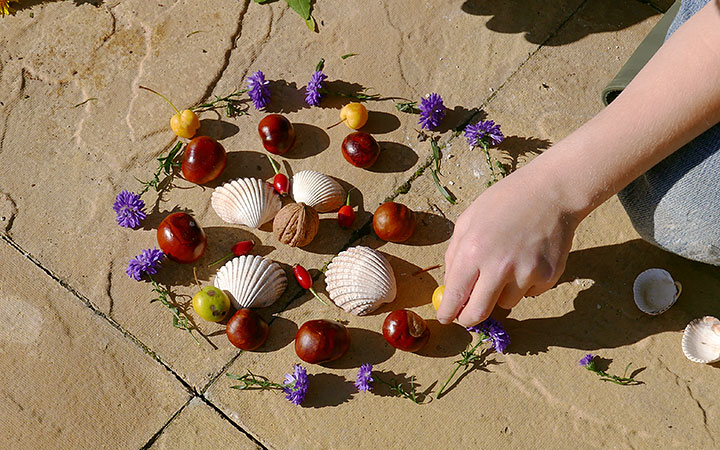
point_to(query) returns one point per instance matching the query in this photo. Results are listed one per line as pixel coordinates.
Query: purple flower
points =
(494, 331)
(586, 360)
(296, 385)
(312, 91)
(144, 263)
(258, 90)
(129, 209)
(485, 131)
(364, 378)
(432, 111)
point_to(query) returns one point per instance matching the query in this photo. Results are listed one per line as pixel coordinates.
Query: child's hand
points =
(513, 241)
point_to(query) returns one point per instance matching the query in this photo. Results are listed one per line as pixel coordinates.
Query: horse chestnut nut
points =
(181, 238)
(204, 160)
(405, 330)
(394, 222)
(246, 330)
(277, 133)
(319, 341)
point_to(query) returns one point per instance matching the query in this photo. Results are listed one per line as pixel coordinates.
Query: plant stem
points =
(469, 356)
(398, 389)
(312, 290)
(179, 319)
(166, 166)
(250, 379)
(162, 96)
(273, 164)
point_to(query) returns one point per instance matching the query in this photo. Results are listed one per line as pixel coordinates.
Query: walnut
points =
(296, 224)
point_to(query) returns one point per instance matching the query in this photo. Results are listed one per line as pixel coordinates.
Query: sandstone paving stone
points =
(465, 53)
(69, 378)
(76, 127)
(200, 426)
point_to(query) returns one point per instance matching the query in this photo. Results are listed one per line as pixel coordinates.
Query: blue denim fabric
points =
(676, 204)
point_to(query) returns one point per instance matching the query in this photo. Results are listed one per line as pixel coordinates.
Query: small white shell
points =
(246, 201)
(252, 281)
(701, 340)
(655, 291)
(359, 280)
(317, 190)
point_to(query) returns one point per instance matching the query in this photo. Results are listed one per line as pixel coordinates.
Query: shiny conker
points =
(394, 222)
(277, 133)
(319, 341)
(360, 149)
(405, 330)
(204, 160)
(181, 238)
(246, 330)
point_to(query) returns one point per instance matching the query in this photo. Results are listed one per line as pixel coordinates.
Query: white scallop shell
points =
(317, 190)
(252, 281)
(359, 280)
(246, 201)
(655, 291)
(701, 340)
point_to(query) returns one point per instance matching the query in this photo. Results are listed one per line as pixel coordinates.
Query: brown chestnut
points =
(360, 149)
(246, 330)
(405, 330)
(277, 133)
(204, 160)
(394, 222)
(181, 238)
(319, 341)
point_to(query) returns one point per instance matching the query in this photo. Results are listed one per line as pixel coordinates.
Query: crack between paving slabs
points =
(157, 434)
(226, 62)
(85, 301)
(193, 393)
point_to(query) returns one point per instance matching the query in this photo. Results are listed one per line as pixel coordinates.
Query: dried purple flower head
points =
(144, 263)
(494, 331)
(129, 209)
(258, 90)
(364, 378)
(296, 385)
(586, 360)
(484, 131)
(432, 111)
(312, 91)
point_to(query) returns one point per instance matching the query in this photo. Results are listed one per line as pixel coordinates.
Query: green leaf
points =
(311, 23)
(448, 196)
(436, 153)
(348, 55)
(262, 1)
(320, 65)
(301, 7)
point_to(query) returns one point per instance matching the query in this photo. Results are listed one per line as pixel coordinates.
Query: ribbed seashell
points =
(246, 201)
(252, 281)
(655, 291)
(701, 340)
(359, 280)
(317, 190)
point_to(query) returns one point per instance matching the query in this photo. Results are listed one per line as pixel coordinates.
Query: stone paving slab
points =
(466, 51)
(199, 426)
(70, 379)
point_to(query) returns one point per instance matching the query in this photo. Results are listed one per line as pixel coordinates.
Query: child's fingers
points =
(510, 296)
(482, 301)
(459, 282)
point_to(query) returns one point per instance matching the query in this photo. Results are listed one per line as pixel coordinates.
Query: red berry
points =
(242, 248)
(346, 216)
(302, 276)
(281, 183)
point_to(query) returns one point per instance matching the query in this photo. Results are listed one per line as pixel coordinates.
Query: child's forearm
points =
(672, 100)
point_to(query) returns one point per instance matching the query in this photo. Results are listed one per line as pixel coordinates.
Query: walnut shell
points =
(296, 224)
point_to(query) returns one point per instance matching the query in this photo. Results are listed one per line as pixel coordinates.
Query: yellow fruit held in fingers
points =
(185, 123)
(437, 296)
(355, 115)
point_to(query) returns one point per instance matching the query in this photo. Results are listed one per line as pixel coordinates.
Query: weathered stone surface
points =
(199, 426)
(68, 377)
(64, 160)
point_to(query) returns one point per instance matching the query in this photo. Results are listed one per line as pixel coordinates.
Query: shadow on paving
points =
(518, 16)
(605, 315)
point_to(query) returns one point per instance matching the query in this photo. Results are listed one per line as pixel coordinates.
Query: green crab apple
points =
(211, 303)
